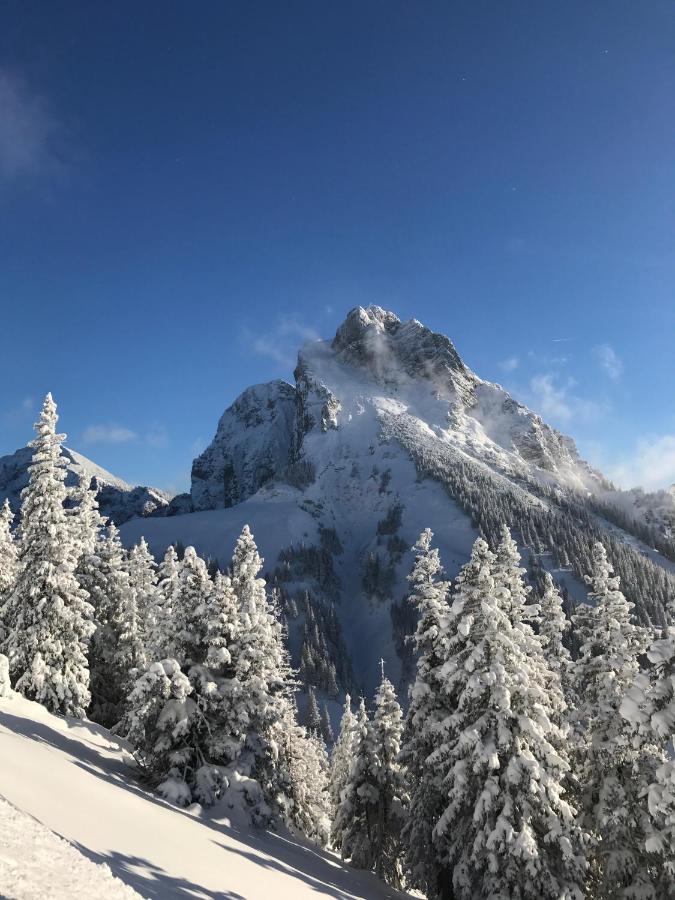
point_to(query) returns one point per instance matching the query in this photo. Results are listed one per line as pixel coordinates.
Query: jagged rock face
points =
(117, 500)
(252, 445)
(377, 340)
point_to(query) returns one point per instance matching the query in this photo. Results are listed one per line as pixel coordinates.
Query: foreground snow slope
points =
(34, 862)
(73, 777)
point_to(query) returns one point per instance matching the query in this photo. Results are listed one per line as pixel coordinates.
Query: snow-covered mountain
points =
(387, 431)
(118, 500)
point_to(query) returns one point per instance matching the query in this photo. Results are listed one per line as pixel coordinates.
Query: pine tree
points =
(312, 714)
(357, 814)
(166, 727)
(389, 778)
(341, 760)
(9, 566)
(553, 625)
(86, 520)
(649, 707)
(304, 761)
(160, 640)
(611, 769)
(326, 727)
(506, 830)
(50, 615)
(143, 581)
(189, 611)
(427, 708)
(262, 671)
(116, 653)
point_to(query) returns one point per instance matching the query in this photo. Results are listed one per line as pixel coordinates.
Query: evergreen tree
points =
(389, 778)
(312, 715)
(86, 520)
(612, 770)
(553, 625)
(262, 671)
(326, 727)
(427, 708)
(341, 761)
(190, 610)
(166, 726)
(160, 640)
(50, 615)
(356, 819)
(506, 830)
(649, 706)
(9, 565)
(116, 653)
(143, 581)
(304, 760)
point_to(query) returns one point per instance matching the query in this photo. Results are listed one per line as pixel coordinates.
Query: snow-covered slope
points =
(74, 778)
(117, 499)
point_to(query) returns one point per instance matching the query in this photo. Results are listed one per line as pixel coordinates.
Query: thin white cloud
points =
(510, 364)
(282, 342)
(557, 400)
(108, 434)
(30, 133)
(19, 415)
(651, 466)
(609, 361)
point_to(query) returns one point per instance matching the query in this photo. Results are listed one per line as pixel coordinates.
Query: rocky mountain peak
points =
(376, 339)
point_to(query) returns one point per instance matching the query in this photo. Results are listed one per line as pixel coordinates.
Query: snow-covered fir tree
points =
(117, 651)
(390, 781)
(262, 670)
(356, 817)
(304, 760)
(166, 727)
(428, 706)
(507, 829)
(552, 627)
(312, 714)
(341, 761)
(143, 580)
(86, 520)
(160, 639)
(649, 707)
(189, 611)
(51, 618)
(612, 771)
(326, 727)
(9, 552)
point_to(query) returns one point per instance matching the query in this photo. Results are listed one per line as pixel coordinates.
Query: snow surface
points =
(74, 778)
(34, 862)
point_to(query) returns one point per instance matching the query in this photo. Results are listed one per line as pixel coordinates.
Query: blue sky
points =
(187, 191)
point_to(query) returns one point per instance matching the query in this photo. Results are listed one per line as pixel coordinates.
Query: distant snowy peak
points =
(395, 368)
(118, 500)
(252, 445)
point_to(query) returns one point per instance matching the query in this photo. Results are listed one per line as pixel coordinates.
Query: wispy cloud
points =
(609, 361)
(31, 135)
(282, 342)
(108, 434)
(651, 466)
(114, 433)
(556, 399)
(510, 364)
(20, 414)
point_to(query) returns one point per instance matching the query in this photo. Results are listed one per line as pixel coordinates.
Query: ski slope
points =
(73, 778)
